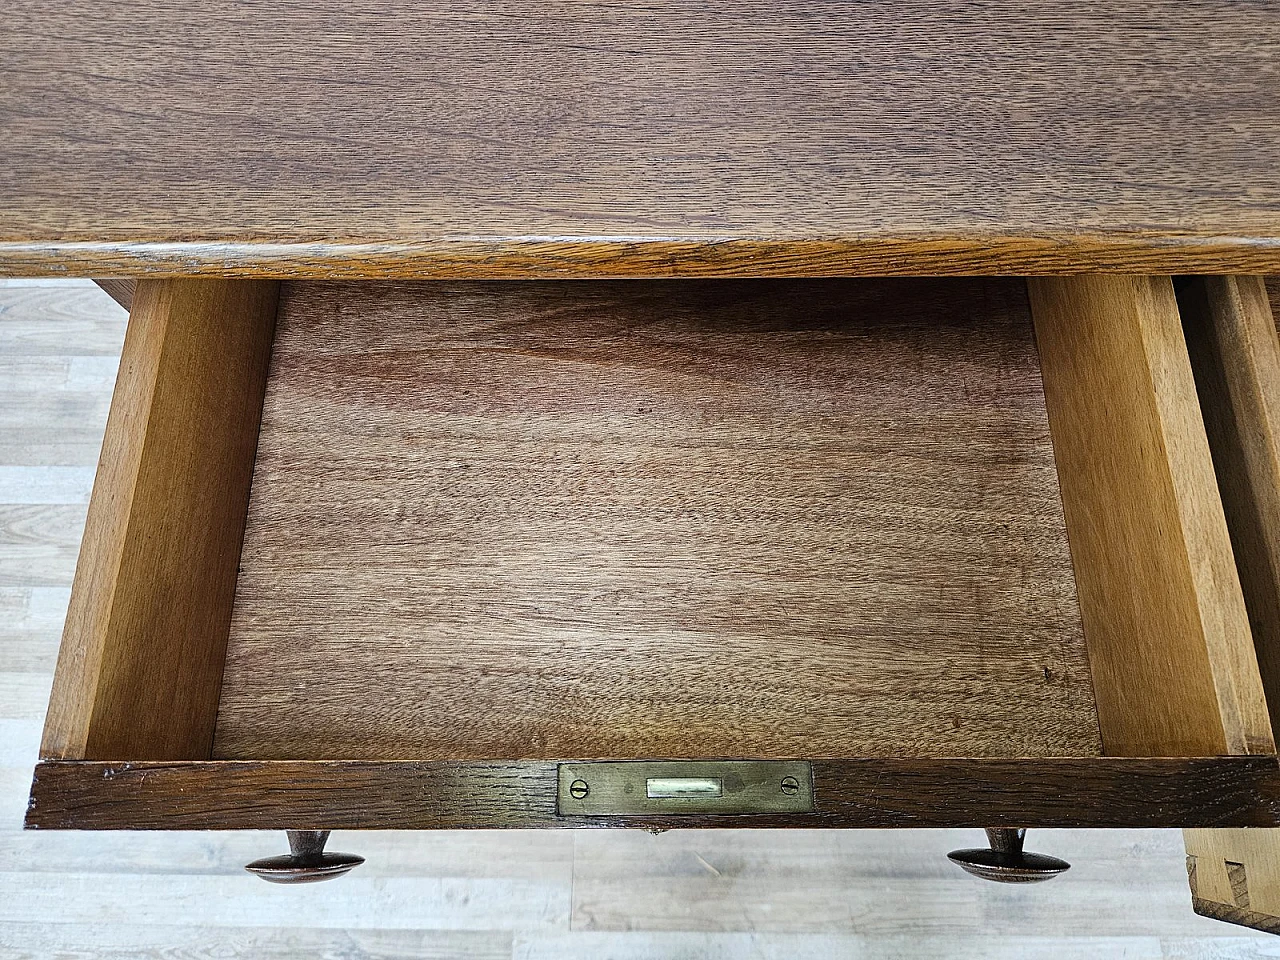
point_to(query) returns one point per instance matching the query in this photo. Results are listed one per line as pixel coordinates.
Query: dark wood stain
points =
(361, 795)
(701, 257)
(1273, 294)
(670, 139)
(121, 291)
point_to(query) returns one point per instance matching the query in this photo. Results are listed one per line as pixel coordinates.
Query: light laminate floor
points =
(530, 895)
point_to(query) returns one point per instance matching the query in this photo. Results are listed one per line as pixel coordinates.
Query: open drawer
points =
(376, 554)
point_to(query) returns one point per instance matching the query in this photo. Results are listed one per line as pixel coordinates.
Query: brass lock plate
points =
(665, 787)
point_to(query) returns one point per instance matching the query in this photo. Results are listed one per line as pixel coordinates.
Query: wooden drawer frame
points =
(1180, 700)
(1232, 335)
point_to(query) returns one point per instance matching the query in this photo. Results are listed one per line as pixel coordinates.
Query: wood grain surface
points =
(496, 139)
(142, 649)
(119, 290)
(1174, 668)
(482, 894)
(1235, 875)
(655, 519)
(1238, 915)
(359, 794)
(1235, 351)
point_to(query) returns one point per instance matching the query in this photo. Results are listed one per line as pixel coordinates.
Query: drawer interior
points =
(630, 519)
(440, 535)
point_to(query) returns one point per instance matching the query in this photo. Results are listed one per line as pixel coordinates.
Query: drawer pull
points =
(627, 788)
(679, 788)
(1005, 861)
(307, 862)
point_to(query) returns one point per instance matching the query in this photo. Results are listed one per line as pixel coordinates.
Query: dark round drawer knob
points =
(307, 863)
(1005, 861)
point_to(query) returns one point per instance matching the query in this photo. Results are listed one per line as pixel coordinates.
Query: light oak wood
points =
(142, 650)
(655, 519)
(1235, 876)
(504, 139)
(486, 794)
(1235, 350)
(1174, 671)
(1236, 355)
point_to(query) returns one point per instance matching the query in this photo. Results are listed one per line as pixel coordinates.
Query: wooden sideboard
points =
(881, 400)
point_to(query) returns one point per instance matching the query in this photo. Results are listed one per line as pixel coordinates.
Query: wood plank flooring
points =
(534, 896)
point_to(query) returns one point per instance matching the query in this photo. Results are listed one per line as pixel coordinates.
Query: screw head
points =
(790, 786)
(579, 789)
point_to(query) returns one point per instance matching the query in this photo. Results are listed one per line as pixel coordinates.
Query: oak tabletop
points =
(661, 138)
